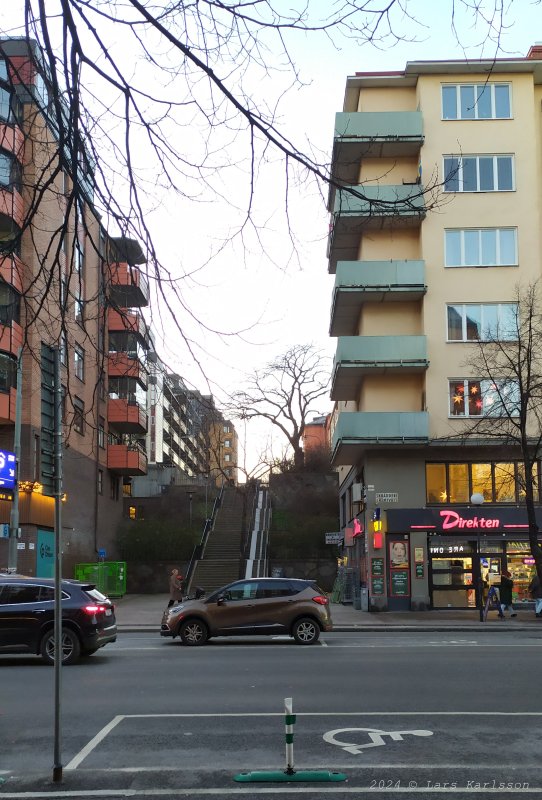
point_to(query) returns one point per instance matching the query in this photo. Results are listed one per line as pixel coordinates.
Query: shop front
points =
(469, 548)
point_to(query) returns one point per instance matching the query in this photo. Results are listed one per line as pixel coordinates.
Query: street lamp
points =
(190, 496)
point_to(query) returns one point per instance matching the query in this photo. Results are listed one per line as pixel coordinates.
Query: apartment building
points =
(223, 449)
(65, 284)
(448, 158)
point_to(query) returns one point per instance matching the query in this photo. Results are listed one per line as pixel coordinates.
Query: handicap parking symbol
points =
(374, 738)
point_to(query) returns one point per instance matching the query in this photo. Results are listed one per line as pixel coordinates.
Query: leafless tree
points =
(506, 365)
(284, 392)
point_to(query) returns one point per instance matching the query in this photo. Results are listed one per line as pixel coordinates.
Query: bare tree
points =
(506, 393)
(284, 393)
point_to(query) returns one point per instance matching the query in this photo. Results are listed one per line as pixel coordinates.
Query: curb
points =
(364, 628)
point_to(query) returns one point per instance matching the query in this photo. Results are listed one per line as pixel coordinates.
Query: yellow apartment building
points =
(447, 156)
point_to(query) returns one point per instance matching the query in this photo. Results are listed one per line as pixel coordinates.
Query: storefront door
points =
(452, 581)
(490, 567)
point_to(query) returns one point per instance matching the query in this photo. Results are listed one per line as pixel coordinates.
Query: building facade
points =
(66, 286)
(448, 159)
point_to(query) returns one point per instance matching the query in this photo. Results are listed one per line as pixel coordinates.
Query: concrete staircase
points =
(221, 560)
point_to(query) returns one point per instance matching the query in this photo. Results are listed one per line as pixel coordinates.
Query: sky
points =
(274, 287)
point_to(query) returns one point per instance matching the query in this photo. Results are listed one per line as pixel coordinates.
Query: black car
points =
(27, 618)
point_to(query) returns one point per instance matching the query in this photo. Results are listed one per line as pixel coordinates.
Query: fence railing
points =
(199, 549)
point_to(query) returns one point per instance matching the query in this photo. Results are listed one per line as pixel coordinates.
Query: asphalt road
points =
(400, 715)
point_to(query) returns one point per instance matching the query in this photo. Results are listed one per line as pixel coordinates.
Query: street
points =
(400, 714)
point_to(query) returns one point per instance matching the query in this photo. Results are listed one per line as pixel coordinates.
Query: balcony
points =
(124, 459)
(373, 134)
(11, 206)
(358, 356)
(8, 401)
(11, 271)
(11, 338)
(126, 416)
(12, 139)
(356, 431)
(128, 286)
(122, 365)
(381, 206)
(129, 322)
(359, 282)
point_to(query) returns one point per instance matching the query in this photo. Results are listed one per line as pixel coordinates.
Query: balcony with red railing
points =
(128, 322)
(126, 459)
(7, 407)
(11, 271)
(128, 287)
(11, 205)
(11, 338)
(123, 365)
(127, 416)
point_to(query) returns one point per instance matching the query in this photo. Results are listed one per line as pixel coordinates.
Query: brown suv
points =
(254, 607)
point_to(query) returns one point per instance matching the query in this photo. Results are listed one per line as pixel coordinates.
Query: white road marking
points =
(76, 760)
(378, 738)
(283, 790)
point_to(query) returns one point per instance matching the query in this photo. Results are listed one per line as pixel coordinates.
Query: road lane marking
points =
(100, 736)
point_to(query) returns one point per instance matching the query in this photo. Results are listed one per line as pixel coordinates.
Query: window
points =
(476, 101)
(78, 415)
(243, 591)
(227, 457)
(5, 104)
(278, 588)
(498, 482)
(64, 349)
(3, 70)
(114, 488)
(227, 442)
(8, 373)
(100, 481)
(227, 429)
(470, 322)
(478, 173)
(10, 172)
(483, 398)
(79, 362)
(132, 512)
(481, 247)
(78, 258)
(79, 309)
(101, 433)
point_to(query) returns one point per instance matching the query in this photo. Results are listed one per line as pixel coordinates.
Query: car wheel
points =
(306, 631)
(193, 632)
(69, 643)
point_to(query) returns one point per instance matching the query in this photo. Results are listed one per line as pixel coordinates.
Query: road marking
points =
(76, 760)
(281, 791)
(376, 736)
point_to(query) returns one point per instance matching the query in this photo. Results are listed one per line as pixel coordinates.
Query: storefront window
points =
(481, 481)
(505, 483)
(459, 483)
(452, 585)
(521, 482)
(435, 481)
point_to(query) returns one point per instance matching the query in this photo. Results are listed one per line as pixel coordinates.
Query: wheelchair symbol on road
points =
(377, 737)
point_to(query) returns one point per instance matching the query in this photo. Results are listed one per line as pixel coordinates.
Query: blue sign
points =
(8, 478)
(101, 553)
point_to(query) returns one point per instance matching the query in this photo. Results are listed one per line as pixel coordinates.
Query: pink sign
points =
(451, 519)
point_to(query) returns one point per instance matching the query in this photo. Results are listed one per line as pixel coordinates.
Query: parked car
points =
(27, 618)
(258, 606)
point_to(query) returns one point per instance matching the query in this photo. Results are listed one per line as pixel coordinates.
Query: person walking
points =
(175, 588)
(535, 590)
(505, 593)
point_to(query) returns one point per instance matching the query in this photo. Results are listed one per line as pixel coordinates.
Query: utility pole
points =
(14, 515)
(57, 394)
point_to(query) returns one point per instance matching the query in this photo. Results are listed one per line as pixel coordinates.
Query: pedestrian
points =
(175, 587)
(505, 593)
(535, 590)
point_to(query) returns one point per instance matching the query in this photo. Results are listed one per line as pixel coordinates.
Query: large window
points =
(483, 398)
(497, 481)
(476, 101)
(469, 322)
(481, 247)
(491, 173)
(78, 415)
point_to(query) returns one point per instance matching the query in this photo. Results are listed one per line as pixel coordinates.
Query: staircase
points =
(222, 557)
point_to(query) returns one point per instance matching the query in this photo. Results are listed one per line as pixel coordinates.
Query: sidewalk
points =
(143, 612)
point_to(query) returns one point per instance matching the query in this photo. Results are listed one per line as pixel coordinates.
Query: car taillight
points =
(94, 609)
(320, 599)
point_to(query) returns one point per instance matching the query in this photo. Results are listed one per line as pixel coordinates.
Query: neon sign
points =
(451, 519)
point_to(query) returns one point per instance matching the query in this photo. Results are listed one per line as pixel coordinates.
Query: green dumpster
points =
(109, 576)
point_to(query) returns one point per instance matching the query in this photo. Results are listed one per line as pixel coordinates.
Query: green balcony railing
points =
(357, 430)
(357, 356)
(359, 282)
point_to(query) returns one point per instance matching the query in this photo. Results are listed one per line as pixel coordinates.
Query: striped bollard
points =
(289, 722)
(289, 774)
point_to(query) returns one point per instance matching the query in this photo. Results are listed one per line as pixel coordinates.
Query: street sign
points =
(101, 553)
(4, 531)
(334, 538)
(7, 469)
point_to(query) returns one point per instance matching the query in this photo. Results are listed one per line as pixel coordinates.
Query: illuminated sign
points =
(451, 519)
(8, 477)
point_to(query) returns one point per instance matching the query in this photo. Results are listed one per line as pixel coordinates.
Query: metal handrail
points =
(199, 549)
